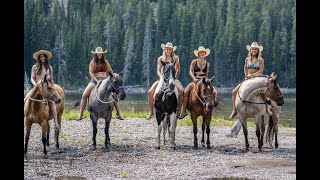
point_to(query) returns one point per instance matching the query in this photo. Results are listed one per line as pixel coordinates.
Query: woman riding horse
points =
(253, 67)
(167, 57)
(198, 69)
(98, 68)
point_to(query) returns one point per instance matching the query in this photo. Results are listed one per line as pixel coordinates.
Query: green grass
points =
(124, 174)
(72, 114)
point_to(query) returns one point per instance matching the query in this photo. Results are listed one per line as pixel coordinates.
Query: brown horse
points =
(201, 103)
(37, 110)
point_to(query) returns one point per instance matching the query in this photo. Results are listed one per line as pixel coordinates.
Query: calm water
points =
(139, 103)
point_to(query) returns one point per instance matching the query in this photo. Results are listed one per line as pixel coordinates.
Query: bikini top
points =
(102, 68)
(197, 69)
(254, 65)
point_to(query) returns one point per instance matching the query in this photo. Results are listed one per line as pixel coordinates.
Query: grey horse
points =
(250, 104)
(101, 103)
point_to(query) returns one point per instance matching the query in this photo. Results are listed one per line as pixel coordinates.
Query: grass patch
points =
(124, 174)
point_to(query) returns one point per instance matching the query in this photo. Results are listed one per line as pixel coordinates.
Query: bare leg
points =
(84, 98)
(214, 94)
(151, 100)
(234, 95)
(54, 113)
(116, 105)
(181, 96)
(185, 100)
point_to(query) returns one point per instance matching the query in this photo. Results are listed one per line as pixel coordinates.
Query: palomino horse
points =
(37, 110)
(166, 98)
(201, 103)
(249, 103)
(272, 131)
(101, 104)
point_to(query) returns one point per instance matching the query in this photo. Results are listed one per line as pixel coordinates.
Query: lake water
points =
(139, 103)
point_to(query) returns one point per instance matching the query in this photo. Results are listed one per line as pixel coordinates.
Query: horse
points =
(272, 130)
(201, 103)
(37, 110)
(249, 103)
(166, 102)
(101, 103)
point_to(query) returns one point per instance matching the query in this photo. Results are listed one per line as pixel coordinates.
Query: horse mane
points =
(253, 86)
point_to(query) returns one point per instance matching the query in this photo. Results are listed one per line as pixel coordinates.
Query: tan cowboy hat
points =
(47, 53)
(201, 48)
(168, 45)
(255, 45)
(98, 50)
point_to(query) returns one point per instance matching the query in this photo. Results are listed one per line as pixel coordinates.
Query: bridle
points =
(204, 97)
(116, 90)
(46, 93)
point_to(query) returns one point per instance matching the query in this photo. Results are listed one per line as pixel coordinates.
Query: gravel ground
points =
(133, 155)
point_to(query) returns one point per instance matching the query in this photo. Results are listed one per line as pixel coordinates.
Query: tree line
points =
(132, 32)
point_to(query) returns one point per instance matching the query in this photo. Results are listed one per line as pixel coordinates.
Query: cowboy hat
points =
(168, 45)
(47, 53)
(255, 45)
(201, 48)
(98, 50)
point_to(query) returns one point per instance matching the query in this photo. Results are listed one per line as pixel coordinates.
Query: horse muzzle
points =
(280, 101)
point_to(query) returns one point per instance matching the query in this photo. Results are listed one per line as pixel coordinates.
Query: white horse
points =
(249, 103)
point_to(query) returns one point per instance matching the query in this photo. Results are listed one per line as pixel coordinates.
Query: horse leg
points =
(164, 126)
(269, 134)
(195, 131)
(28, 130)
(276, 135)
(208, 132)
(245, 132)
(258, 127)
(48, 133)
(57, 131)
(203, 127)
(263, 128)
(94, 127)
(159, 119)
(173, 125)
(106, 131)
(44, 127)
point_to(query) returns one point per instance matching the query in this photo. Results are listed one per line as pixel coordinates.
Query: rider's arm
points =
(177, 66)
(51, 73)
(91, 71)
(109, 69)
(207, 73)
(33, 75)
(191, 70)
(159, 65)
(245, 69)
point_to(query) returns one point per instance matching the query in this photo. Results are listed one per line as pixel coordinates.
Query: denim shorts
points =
(95, 82)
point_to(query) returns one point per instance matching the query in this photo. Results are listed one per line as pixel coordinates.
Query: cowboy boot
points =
(116, 105)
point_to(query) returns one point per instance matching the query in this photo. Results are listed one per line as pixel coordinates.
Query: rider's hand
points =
(195, 80)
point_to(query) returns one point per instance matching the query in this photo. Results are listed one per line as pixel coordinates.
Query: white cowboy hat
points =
(201, 48)
(47, 53)
(168, 45)
(255, 45)
(98, 50)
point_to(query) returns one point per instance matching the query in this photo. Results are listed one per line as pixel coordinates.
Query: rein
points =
(100, 99)
(205, 97)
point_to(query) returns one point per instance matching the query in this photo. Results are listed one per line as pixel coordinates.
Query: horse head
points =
(46, 89)
(169, 73)
(273, 90)
(205, 90)
(117, 85)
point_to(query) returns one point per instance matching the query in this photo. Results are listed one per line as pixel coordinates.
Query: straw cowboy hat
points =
(201, 48)
(255, 45)
(168, 45)
(47, 53)
(98, 50)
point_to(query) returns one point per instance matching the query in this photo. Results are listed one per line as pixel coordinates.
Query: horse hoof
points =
(203, 145)
(158, 147)
(57, 146)
(195, 148)
(93, 147)
(208, 147)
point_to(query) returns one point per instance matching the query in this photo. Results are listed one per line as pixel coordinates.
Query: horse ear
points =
(121, 74)
(110, 74)
(212, 79)
(203, 80)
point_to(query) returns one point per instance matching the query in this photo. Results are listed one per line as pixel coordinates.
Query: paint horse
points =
(166, 101)
(201, 103)
(101, 104)
(37, 110)
(250, 104)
